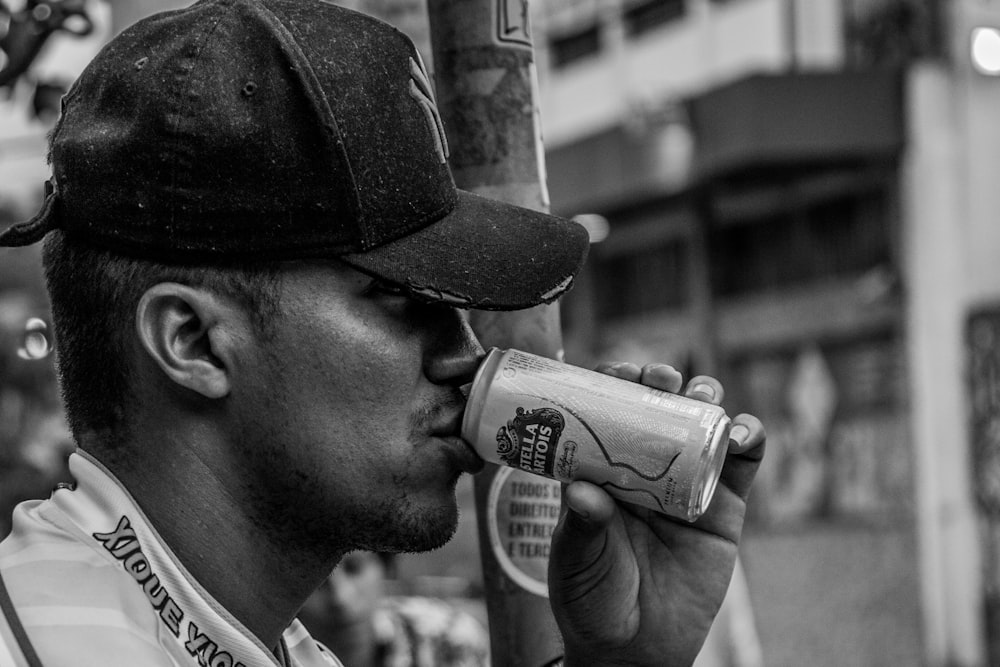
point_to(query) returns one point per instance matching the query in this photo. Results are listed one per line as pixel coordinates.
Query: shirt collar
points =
(112, 521)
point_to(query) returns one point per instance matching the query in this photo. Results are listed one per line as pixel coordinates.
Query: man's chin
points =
(411, 530)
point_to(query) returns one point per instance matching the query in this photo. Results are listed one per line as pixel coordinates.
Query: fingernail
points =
(616, 369)
(739, 435)
(571, 504)
(706, 390)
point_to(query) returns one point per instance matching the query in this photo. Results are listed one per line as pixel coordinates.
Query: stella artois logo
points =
(529, 440)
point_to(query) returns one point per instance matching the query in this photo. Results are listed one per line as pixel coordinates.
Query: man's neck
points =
(261, 582)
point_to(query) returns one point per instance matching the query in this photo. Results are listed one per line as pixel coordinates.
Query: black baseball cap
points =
(240, 130)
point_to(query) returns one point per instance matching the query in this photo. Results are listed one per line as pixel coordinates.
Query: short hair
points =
(94, 293)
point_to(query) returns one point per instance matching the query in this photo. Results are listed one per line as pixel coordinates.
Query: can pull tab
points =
(466, 389)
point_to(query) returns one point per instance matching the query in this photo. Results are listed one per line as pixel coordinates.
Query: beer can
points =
(642, 445)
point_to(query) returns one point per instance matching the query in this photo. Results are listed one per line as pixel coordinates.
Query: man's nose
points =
(456, 353)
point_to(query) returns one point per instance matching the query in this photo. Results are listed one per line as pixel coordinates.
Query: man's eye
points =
(385, 288)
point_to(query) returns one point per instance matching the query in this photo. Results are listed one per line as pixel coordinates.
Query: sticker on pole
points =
(512, 24)
(522, 511)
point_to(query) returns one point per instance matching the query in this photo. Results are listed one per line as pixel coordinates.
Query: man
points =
(257, 261)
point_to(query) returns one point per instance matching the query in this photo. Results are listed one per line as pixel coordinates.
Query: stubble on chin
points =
(407, 517)
(399, 527)
(393, 524)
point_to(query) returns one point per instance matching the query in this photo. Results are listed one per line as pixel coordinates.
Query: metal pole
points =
(485, 77)
(792, 34)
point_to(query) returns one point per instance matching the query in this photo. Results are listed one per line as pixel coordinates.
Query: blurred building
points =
(799, 196)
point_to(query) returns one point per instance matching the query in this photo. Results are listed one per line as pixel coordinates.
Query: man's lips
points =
(451, 432)
(468, 460)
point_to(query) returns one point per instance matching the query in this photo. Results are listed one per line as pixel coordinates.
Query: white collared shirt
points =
(94, 585)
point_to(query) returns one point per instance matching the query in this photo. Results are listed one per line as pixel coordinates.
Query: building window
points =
(835, 238)
(642, 17)
(650, 280)
(893, 32)
(574, 46)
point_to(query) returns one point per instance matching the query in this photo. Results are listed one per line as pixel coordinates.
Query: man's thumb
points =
(581, 537)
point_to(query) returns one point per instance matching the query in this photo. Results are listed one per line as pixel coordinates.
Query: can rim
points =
(474, 400)
(713, 457)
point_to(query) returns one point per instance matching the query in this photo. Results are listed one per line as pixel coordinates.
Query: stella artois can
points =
(641, 445)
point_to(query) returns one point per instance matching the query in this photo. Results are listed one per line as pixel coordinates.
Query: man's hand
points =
(630, 586)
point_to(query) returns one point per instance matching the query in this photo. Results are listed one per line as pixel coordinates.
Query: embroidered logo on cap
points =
(420, 90)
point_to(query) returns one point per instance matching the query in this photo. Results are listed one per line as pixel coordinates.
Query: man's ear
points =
(188, 332)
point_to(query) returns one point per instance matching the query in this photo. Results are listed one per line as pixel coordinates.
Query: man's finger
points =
(582, 531)
(620, 369)
(746, 449)
(746, 434)
(593, 573)
(589, 504)
(661, 376)
(705, 388)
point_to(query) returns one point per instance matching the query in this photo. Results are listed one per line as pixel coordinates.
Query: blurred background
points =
(800, 197)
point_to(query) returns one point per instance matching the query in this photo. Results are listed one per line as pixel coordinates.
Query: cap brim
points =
(484, 254)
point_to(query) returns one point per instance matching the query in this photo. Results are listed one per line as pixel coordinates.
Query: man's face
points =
(350, 413)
